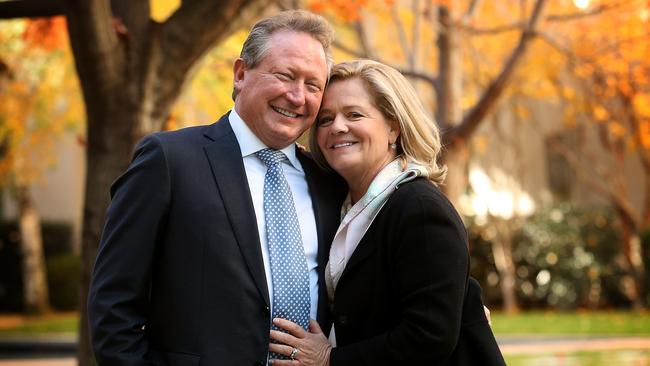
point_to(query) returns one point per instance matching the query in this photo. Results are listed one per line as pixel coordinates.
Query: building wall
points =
(59, 195)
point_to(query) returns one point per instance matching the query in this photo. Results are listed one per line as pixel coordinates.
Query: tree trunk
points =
(632, 251)
(449, 110)
(502, 252)
(35, 290)
(132, 70)
(104, 165)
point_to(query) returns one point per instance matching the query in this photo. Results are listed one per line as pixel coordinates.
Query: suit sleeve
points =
(430, 264)
(118, 300)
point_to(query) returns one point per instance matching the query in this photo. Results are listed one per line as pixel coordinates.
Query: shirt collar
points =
(249, 143)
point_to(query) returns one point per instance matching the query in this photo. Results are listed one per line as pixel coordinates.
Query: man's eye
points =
(313, 88)
(283, 76)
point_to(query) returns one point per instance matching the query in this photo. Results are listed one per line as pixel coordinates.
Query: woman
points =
(397, 275)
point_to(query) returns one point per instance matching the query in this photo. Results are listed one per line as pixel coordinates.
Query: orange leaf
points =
(47, 33)
(642, 105)
(644, 133)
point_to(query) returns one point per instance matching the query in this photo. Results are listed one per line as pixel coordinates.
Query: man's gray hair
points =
(257, 45)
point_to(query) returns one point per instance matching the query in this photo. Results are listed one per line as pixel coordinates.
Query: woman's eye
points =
(324, 121)
(355, 115)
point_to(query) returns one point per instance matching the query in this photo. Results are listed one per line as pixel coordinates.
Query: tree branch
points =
(362, 37)
(402, 34)
(415, 31)
(98, 58)
(415, 74)
(471, 121)
(30, 8)
(596, 183)
(551, 18)
(349, 50)
(584, 14)
(185, 37)
(471, 10)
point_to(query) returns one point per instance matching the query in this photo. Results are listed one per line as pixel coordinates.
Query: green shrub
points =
(645, 247)
(11, 277)
(569, 256)
(565, 258)
(57, 241)
(63, 280)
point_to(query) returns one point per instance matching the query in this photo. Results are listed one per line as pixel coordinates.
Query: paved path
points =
(565, 345)
(67, 361)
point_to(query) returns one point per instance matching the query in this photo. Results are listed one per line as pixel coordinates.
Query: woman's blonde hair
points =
(419, 141)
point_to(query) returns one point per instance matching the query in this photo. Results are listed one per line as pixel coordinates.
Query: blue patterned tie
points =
(289, 273)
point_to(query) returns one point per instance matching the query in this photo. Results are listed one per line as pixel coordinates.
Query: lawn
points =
(610, 358)
(524, 324)
(577, 323)
(532, 325)
(47, 324)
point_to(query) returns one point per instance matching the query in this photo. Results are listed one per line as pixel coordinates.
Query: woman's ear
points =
(393, 132)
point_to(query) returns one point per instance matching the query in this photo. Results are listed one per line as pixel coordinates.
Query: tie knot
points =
(271, 157)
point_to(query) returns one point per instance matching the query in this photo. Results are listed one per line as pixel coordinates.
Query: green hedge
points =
(565, 257)
(57, 243)
(63, 280)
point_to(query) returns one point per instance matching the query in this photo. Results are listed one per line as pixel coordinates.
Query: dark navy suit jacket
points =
(179, 277)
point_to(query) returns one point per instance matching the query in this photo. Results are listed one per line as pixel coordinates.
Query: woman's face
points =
(352, 133)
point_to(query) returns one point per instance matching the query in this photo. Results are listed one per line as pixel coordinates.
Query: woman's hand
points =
(308, 348)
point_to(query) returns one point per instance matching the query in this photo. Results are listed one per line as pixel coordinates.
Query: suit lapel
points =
(225, 159)
(318, 204)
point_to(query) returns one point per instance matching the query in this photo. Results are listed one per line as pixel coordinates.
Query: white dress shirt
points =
(295, 175)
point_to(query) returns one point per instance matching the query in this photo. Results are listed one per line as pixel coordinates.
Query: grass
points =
(55, 323)
(527, 323)
(619, 357)
(577, 323)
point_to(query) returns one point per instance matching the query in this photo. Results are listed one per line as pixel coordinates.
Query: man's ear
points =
(239, 71)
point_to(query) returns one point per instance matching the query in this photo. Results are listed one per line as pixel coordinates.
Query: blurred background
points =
(544, 106)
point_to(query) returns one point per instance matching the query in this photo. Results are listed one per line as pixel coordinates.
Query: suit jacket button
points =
(266, 309)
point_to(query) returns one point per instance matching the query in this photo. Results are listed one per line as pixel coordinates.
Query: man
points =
(185, 273)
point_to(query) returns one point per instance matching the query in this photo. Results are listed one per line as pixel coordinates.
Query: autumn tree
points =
(131, 69)
(425, 41)
(37, 107)
(466, 58)
(605, 93)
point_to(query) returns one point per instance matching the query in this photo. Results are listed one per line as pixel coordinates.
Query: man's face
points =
(280, 97)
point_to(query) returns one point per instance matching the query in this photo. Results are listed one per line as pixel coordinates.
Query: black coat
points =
(179, 277)
(476, 345)
(401, 296)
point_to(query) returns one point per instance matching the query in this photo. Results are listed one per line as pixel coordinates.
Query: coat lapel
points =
(225, 159)
(362, 251)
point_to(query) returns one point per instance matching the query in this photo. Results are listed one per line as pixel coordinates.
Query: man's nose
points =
(296, 94)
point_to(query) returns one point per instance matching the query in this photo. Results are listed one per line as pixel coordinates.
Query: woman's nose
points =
(339, 125)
